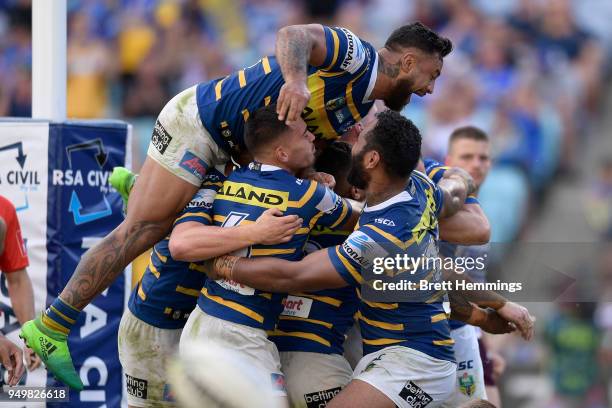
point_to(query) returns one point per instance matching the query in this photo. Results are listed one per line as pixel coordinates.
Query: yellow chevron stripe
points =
(245, 114)
(336, 49)
(168, 310)
(199, 214)
(160, 256)
(439, 317)
(141, 293)
(187, 291)
(381, 342)
(303, 319)
(302, 335)
(345, 207)
(382, 325)
(265, 63)
(267, 100)
(388, 236)
(324, 299)
(447, 342)
(235, 306)
(307, 196)
(218, 89)
(196, 267)
(377, 305)
(241, 78)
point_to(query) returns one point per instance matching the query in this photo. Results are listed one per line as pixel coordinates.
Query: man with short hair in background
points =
(13, 263)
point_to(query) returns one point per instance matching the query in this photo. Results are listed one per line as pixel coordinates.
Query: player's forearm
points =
(21, 294)
(482, 298)
(266, 273)
(469, 226)
(294, 50)
(456, 185)
(208, 241)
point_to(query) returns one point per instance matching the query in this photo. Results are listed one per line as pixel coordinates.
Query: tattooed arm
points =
(296, 47)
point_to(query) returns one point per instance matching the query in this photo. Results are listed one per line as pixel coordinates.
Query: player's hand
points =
(292, 99)
(31, 358)
(273, 228)
(324, 178)
(520, 317)
(494, 323)
(12, 360)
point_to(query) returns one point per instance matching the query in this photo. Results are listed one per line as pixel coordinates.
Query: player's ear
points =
(408, 61)
(372, 158)
(357, 194)
(281, 154)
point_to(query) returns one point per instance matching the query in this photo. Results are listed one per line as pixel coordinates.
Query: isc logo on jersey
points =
(248, 194)
(384, 221)
(355, 53)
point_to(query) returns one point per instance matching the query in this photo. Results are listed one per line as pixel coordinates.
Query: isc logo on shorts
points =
(321, 398)
(160, 139)
(415, 396)
(136, 387)
(297, 306)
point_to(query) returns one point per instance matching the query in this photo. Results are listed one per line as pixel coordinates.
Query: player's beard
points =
(357, 176)
(399, 96)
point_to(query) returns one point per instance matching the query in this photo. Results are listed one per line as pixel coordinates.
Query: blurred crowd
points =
(528, 72)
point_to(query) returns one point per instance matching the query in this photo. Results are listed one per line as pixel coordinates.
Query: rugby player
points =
(409, 359)
(469, 149)
(313, 326)
(166, 294)
(232, 315)
(328, 75)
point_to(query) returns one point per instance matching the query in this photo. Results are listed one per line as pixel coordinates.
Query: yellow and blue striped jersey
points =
(169, 289)
(404, 224)
(317, 322)
(340, 91)
(244, 196)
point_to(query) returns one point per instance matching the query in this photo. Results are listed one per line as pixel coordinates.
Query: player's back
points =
(244, 196)
(169, 289)
(339, 89)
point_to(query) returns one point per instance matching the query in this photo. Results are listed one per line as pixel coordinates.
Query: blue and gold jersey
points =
(406, 223)
(317, 322)
(435, 171)
(169, 289)
(245, 195)
(340, 91)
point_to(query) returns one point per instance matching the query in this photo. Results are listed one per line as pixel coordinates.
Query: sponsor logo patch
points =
(136, 387)
(415, 396)
(296, 306)
(355, 54)
(236, 287)
(248, 194)
(160, 139)
(194, 165)
(321, 398)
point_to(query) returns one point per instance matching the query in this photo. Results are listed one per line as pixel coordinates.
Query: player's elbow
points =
(482, 233)
(179, 249)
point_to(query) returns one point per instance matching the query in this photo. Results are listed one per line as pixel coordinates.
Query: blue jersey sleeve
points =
(434, 169)
(345, 51)
(200, 208)
(333, 209)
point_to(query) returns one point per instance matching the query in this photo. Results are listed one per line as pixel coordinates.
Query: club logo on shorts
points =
(160, 139)
(415, 396)
(194, 165)
(278, 382)
(136, 387)
(467, 385)
(321, 398)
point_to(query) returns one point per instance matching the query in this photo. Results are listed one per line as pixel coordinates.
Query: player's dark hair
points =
(419, 36)
(335, 159)
(397, 140)
(262, 128)
(468, 132)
